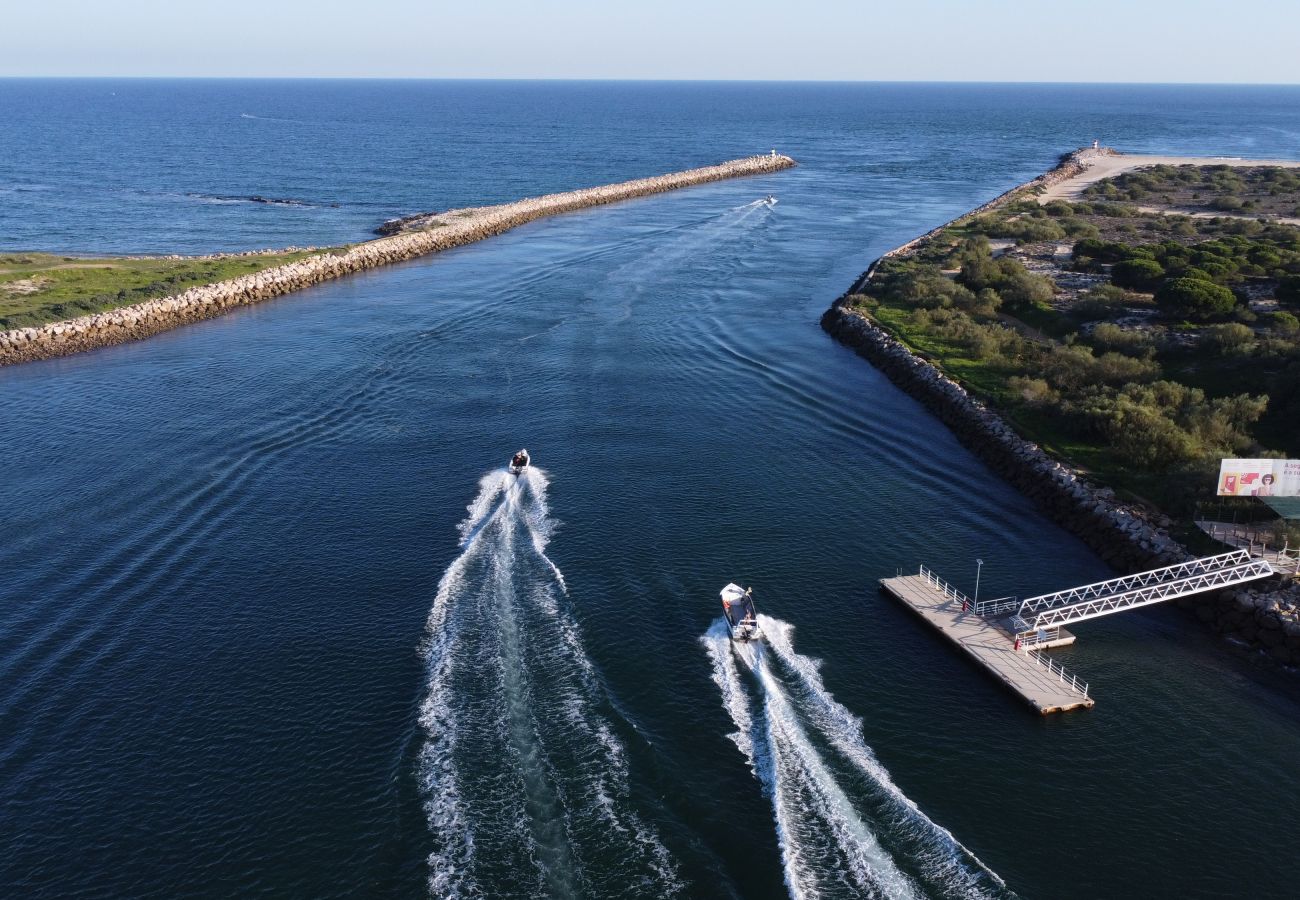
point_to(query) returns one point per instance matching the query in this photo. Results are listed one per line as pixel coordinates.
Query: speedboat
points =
(770, 200)
(519, 462)
(738, 609)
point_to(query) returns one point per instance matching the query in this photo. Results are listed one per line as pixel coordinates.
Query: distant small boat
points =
(739, 611)
(770, 200)
(519, 462)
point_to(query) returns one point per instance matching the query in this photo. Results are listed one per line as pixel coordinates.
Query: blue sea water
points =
(245, 647)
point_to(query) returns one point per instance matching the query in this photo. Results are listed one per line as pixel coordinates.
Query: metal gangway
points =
(1037, 617)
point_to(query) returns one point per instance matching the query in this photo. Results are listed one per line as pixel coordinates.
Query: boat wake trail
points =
(843, 826)
(525, 782)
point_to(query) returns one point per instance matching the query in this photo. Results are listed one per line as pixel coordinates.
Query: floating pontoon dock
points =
(1008, 636)
(1039, 681)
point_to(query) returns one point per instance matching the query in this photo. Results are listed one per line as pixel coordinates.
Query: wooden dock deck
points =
(990, 645)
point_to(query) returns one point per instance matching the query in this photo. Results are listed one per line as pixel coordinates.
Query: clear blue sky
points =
(912, 40)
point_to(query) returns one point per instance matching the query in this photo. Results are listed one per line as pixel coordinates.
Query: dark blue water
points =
(245, 648)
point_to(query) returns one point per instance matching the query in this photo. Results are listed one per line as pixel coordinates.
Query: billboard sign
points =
(1259, 478)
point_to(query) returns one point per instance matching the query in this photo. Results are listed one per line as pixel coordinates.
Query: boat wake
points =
(843, 826)
(525, 782)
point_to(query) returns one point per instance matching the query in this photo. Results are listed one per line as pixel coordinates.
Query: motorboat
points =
(738, 609)
(770, 200)
(519, 462)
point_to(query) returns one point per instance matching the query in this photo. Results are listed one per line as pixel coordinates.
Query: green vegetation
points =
(1135, 354)
(36, 288)
(1269, 191)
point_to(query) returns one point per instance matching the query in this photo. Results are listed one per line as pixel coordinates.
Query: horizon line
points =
(617, 80)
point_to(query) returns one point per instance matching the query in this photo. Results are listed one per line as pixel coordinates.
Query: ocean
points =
(276, 621)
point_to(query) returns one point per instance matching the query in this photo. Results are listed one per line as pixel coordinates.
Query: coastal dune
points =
(416, 236)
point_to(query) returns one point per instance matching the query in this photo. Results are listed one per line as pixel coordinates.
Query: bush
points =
(1108, 336)
(1032, 391)
(1025, 289)
(1229, 337)
(1102, 251)
(1099, 302)
(1021, 229)
(1194, 298)
(1138, 274)
(1284, 323)
(1070, 369)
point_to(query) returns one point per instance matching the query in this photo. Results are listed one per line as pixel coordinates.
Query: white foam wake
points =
(945, 857)
(786, 725)
(525, 781)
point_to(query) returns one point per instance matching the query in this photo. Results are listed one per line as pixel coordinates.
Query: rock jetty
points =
(417, 236)
(1128, 537)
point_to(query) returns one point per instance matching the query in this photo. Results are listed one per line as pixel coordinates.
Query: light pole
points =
(979, 564)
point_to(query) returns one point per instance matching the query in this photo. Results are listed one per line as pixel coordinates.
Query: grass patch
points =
(36, 288)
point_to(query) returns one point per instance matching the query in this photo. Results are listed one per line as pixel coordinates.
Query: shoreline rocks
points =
(421, 236)
(1130, 538)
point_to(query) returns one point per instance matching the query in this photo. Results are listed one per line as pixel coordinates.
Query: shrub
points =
(1032, 391)
(1099, 302)
(1229, 337)
(1024, 289)
(1227, 204)
(1021, 229)
(1108, 336)
(1195, 298)
(1284, 323)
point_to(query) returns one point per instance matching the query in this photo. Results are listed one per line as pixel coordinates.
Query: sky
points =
(1250, 41)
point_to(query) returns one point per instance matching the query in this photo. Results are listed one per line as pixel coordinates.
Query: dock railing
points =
(948, 590)
(1058, 670)
(1030, 637)
(998, 607)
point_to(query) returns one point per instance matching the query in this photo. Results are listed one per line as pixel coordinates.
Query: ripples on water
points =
(226, 558)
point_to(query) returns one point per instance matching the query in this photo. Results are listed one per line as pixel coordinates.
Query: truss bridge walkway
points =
(1033, 616)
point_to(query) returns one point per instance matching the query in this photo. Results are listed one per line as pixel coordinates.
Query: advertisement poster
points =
(1259, 478)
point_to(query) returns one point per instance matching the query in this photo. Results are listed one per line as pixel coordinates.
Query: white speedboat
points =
(770, 200)
(519, 462)
(738, 609)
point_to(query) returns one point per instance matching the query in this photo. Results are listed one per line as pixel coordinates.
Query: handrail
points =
(1113, 586)
(1058, 670)
(1113, 603)
(947, 589)
(1029, 637)
(995, 607)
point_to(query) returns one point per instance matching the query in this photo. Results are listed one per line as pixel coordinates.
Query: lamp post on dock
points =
(979, 564)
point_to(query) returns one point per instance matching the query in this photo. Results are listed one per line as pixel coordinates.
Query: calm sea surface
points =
(274, 622)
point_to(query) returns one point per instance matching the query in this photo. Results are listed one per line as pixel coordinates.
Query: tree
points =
(1195, 298)
(1138, 274)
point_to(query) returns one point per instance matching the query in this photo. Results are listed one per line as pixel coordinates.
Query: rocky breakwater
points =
(417, 236)
(1128, 537)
